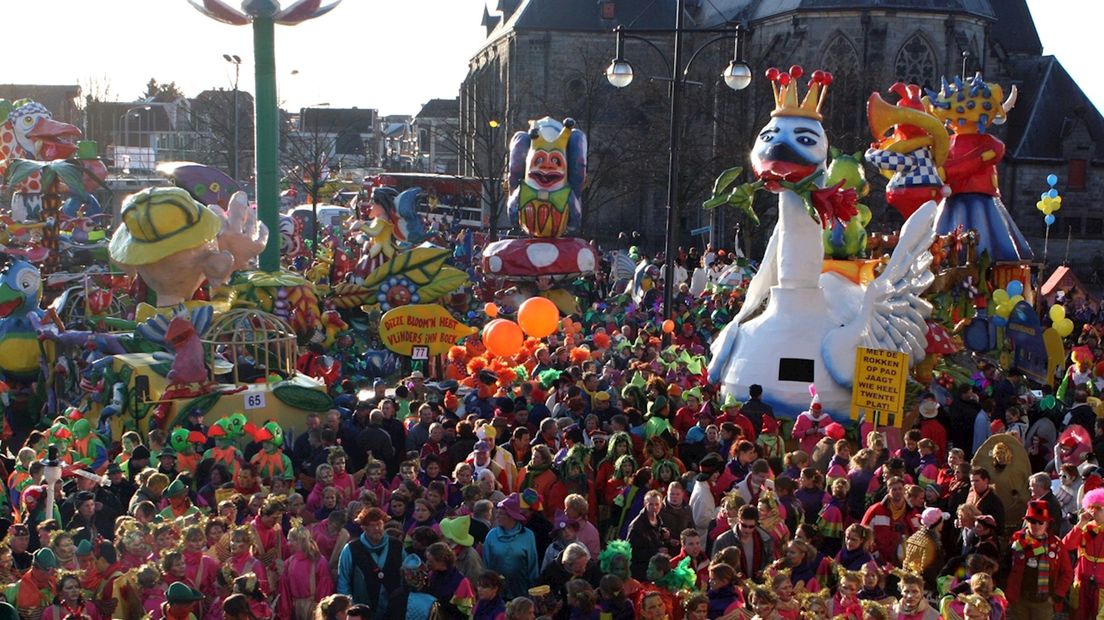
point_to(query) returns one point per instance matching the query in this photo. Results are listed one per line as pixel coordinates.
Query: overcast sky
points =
(392, 55)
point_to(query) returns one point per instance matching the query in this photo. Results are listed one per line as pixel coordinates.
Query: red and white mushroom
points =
(940, 341)
(536, 257)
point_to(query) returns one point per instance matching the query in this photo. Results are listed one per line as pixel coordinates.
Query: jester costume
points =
(1087, 541)
(271, 461)
(88, 447)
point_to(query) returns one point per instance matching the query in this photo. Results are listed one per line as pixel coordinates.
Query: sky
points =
(392, 55)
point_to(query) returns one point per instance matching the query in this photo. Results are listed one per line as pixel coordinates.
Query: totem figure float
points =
(546, 174)
(969, 109)
(797, 319)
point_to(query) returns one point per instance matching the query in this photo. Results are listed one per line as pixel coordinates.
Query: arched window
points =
(915, 63)
(844, 109)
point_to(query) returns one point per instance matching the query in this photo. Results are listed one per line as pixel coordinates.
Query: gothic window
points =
(844, 108)
(915, 62)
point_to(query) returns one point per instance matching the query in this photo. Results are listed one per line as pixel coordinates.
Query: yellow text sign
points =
(421, 325)
(879, 389)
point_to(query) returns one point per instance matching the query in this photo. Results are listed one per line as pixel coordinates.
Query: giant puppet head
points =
(546, 175)
(793, 145)
(971, 106)
(29, 126)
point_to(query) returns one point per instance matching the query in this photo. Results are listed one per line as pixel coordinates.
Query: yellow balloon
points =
(1003, 310)
(1057, 313)
(1064, 327)
(1015, 300)
(1000, 296)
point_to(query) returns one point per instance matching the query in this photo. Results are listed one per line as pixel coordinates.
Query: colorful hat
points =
(1068, 441)
(561, 520)
(457, 530)
(531, 500)
(84, 549)
(411, 562)
(1037, 511)
(512, 507)
(730, 401)
(694, 391)
(45, 559)
(176, 489)
(601, 396)
(931, 516)
(180, 592)
(160, 221)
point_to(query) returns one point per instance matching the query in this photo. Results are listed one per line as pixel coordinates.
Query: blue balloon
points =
(1053, 193)
(1049, 219)
(1044, 195)
(999, 321)
(1015, 287)
(1052, 180)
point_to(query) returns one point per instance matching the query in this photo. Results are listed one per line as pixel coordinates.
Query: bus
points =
(444, 197)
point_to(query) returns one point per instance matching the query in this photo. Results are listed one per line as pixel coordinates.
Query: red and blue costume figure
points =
(969, 109)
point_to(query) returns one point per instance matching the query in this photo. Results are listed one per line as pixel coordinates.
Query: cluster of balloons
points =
(1005, 299)
(1058, 320)
(537, 317)
(1049, 201)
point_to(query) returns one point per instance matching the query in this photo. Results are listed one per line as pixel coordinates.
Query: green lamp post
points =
(264, 14)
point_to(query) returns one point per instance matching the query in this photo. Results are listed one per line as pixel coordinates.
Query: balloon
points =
(1053, 193)
(1003, 310)
(1015, 287)
(502, 337)
(668, 326)
(1064, 327)
(1000, 296)
(490, 310)
(1049, 219)
(999, 321)
(1015, 300)
(567, 324)
(538, 317)
(1057, 313)
(1052, 180)
(1044, 195)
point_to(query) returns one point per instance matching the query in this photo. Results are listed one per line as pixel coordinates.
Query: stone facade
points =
(528, 72)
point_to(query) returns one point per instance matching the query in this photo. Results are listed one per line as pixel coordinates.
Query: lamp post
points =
(235, 60)
(125, 118)
(736, 76)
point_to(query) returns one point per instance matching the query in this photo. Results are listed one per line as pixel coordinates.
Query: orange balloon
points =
(538, 317)
(566, 324)
(503, 337)
(668, 326)
(490, 310)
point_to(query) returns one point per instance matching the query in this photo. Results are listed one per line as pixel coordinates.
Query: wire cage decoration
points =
(251, 338)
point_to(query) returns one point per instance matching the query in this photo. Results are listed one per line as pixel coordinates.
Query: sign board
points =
(255, 400)
(419, 353)
(879, 390)
(427, 326)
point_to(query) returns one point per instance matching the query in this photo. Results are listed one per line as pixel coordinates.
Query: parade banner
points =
(879, 389)
(421, 325)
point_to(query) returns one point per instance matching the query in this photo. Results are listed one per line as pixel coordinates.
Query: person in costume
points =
(810, 425)
(1041, 573)
(368, 568)
(1086, 540)
(200, 569)
(268, 536)
(180, 503)
(65, 550)
(35, 590)
(225, 450)
(454, 593)
(1079, 375)
(305, 578)
(180, 602)
(510, 548)
(271, 462)
(70, 601)
(242, 558)
(913, 604)
(86, 446)
(184, 442)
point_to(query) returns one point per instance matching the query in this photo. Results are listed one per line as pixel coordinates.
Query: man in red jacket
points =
(889, 519)
(1041, 572)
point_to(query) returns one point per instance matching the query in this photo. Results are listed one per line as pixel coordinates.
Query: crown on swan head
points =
(786, 103)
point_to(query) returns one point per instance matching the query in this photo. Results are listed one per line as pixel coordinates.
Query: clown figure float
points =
(798, 326)
(546, 174)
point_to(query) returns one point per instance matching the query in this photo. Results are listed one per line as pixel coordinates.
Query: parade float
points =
(547, 170)
(802, 324)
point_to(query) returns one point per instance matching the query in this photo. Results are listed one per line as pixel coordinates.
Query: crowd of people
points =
(604, 477)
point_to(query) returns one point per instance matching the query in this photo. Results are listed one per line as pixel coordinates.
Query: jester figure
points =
(184, 442)
(1086, 540)
(912, 155)
(546, 176)
(271, 461)
(225, 432)
(969, 109)
(87, 447)
(1078, 375)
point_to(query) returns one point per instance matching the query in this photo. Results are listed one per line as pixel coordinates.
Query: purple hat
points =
(512, 507)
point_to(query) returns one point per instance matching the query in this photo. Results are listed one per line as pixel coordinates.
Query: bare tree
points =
(213, 121)
(481, 145)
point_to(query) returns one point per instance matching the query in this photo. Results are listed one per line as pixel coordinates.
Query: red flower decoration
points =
(834, 203)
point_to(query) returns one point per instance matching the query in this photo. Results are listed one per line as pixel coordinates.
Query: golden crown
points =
(542, 143)
(784, 84)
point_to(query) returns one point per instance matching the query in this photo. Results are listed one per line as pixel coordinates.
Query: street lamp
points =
(235, 60)
(736, 76)
(125, 118)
